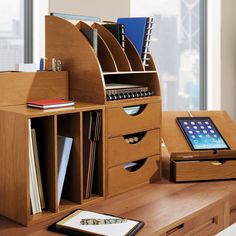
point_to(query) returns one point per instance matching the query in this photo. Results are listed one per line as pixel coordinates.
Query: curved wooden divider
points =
(119, 55)
(133, 56)
(104, 54)
(64, 41)
(156, 81)
(151, 65)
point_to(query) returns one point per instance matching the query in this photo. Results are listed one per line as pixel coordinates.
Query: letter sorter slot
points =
(121, 123)
(207, 223)
(43, 145)
(133, 147)
(127, 176)
(69, 160)
(203, 170)
(92, 157)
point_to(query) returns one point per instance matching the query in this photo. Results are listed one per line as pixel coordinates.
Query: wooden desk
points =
(162, 206)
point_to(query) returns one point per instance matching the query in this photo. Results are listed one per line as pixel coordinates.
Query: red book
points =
(50, 103)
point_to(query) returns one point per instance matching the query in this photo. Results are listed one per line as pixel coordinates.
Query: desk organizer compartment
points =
(45, 137)
(121, 179)
(68, 125)
(121, 123)
(207, 223)
(120, 151)
(203, 170)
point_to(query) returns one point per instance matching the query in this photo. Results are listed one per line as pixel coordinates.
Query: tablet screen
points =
(201, 133)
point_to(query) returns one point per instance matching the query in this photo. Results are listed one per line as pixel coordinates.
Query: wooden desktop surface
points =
(160, 205)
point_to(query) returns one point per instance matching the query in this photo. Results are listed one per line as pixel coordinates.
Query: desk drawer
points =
(121, 179)
(203, 170)
(206, 224)
(119, 122)
(119, 151)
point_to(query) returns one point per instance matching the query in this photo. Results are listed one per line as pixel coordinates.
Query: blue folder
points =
(135, 29)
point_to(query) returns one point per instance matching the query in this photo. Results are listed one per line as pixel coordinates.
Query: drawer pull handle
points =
(134, 110)
(217, 163)
(171, 231)
(135, 165)
(134, 138)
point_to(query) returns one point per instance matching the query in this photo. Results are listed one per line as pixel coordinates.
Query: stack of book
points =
(139, 30)
(50, 103)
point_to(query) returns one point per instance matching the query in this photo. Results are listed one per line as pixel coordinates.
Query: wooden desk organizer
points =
(182, 164)
(88, 75)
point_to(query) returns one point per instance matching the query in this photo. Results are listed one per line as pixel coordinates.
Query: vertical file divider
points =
(104, 54)
(133, 56)
(118, 53)
(64, 41)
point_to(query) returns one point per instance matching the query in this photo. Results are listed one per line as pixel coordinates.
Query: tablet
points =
(201, 133)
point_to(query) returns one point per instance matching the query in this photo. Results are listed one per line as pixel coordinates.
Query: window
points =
(15, 35)
(176, 49)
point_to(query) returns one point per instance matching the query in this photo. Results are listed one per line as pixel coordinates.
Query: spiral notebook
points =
(71, 225)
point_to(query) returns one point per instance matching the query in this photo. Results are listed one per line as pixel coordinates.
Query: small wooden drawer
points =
(120, 179)
(207, 223)
(119, 122)
(203, 170)
(119, 151)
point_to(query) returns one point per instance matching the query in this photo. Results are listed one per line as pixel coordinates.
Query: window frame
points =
(28, 31)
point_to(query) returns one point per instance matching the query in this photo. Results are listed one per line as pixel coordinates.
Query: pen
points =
(93, 221)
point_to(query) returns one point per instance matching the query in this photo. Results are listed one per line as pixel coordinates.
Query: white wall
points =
(228, 57)
(105, 9)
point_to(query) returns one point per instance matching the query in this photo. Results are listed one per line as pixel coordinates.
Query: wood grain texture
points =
(121, 180)
(20, 87)
(120, 152)
(32, 112)
(118, 54)
(65, 41)
(175, 204)
(120, 123)
(14, 164)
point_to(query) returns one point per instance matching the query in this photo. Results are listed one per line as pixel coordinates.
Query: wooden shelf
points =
(130, 72)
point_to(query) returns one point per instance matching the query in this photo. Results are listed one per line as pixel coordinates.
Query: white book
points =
(34, 191)
(64, 148)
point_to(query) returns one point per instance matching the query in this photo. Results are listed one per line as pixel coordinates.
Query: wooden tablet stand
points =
(182, 164)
